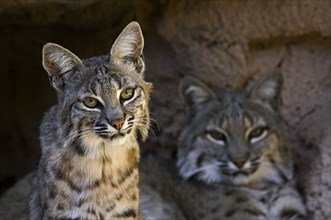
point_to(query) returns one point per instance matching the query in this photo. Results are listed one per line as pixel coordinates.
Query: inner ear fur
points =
(57, 61)
(128, 48)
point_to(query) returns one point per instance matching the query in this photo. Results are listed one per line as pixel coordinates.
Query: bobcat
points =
(90, 153)
(232, 158)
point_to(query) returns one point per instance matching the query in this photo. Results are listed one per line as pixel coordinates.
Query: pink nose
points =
(239, 162)
(118, 123)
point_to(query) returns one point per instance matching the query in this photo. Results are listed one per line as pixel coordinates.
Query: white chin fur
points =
(92, 143)
(240, 179)
(210, 175)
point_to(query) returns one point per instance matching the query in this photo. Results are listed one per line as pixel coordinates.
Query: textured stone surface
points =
(226, 44)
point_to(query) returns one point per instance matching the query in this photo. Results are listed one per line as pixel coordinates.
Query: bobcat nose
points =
(239, 162)
(118, 123)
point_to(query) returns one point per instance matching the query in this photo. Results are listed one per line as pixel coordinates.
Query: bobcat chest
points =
(105, 185)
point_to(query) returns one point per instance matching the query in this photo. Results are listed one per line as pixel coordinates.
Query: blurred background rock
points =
(226, 44)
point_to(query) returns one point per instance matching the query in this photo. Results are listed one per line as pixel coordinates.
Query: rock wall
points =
(226, 44)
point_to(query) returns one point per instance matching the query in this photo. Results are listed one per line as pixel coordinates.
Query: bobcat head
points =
(234, 138)
(103, 98)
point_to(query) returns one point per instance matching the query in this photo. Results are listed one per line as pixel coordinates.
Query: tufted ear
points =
(58, 61)
(268, 89)
(195, 94)
(128, 48)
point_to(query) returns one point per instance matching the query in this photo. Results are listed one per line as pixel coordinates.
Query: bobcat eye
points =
(90, 102)
(127, 94)
(216, 136)
(257, 134)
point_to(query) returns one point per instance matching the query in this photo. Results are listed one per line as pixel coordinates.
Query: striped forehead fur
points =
(233, 110)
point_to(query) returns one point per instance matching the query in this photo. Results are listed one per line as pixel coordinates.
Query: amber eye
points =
(257, 134)
(90, 102)
(127, 94)
(217, 135)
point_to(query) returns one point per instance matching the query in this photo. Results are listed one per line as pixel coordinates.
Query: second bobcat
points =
(238, 139)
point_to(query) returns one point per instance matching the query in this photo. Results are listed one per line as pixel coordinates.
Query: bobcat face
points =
(109, 105)
(232, 138)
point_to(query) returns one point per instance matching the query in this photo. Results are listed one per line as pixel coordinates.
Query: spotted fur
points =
(90, 153)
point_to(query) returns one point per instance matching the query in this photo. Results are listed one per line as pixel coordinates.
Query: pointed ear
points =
(128, 48)
(268, 90)
(57, 61)
(195, 94)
